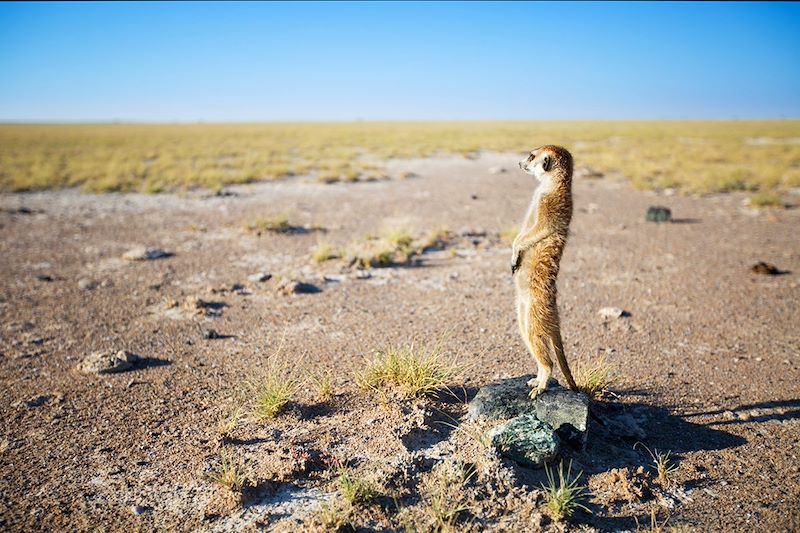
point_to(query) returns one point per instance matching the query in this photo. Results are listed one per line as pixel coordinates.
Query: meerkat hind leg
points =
(544, 365)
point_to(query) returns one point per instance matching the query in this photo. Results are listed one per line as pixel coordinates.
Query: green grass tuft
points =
(563, 495)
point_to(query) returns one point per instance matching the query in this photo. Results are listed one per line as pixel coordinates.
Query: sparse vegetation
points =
(226, 427)
(766, 199)
(324, 384)
(230, 473)
(323, 252)
(563, 496)
(276, 224)
(355, 489)
(715, 156)
(335, 516)
(409, 371)
(445, 494)
(593, 379)
(274, 392)
(662, 464)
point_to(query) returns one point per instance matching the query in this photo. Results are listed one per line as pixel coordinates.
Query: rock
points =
(259, 277)
(587, 173)
(141, 253)
(108, 362)
(38, 401)
(198, 306)
(567, 412)
(497, 170)
(658, 214)
(525, 439)
(612, 312)
(765, 269)
(87, 284)
(211, 334)
(139, 509)
(291, 286)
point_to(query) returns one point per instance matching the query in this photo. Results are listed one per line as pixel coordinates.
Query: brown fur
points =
(536, 255)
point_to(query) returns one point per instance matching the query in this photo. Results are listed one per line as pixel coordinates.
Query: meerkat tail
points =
(558, 348)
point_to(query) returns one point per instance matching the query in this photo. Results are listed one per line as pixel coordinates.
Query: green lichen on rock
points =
(525, 439)
(564, 410)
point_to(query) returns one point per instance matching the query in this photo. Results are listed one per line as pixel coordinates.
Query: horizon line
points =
(112, 122)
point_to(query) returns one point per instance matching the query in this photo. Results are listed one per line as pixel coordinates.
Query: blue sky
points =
(398, 61)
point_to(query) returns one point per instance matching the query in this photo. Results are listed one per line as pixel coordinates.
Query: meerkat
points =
(535, 259)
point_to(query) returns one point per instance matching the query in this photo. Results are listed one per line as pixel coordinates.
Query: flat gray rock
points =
(565, 410)
(108, 362)
(525, 439)
(142, 253)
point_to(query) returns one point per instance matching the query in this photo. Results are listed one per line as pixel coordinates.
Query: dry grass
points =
(323, 382)
(230, 473)
(697, 156)
(323, 252)
(409, 371)
(276, 224)
(355, 490)
(274, 392)
(593, 379)
(444, 492)
(766, 199)
(227, 426)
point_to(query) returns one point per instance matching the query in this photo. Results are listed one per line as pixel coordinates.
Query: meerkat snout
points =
(535, 165)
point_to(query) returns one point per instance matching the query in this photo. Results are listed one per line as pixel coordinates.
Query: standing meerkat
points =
(536, 254)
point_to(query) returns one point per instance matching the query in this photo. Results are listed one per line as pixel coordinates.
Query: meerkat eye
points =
(546, 163)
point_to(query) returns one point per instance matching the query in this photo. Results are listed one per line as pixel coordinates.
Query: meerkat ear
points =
(546, 163)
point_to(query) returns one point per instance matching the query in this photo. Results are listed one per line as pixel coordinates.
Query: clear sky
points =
(397, 61)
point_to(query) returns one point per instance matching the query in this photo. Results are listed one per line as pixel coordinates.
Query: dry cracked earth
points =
(706, 360)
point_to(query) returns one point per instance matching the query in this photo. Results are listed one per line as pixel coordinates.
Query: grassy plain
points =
(689, 156)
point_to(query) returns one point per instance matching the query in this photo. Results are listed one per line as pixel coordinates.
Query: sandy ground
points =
(707, 363)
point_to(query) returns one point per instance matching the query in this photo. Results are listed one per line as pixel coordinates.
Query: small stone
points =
(363, 274)
(587, 173)
(87, 284)
(141, 253)
(108, 362)
(525, 439)
(759, 359)
(139, 509)
(658, 214)
(291, 286)
(259, 277)
(497, 170)
(210, 334)
(612, 312)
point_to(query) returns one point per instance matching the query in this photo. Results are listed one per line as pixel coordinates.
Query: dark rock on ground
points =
(567, 412)
(658, 213)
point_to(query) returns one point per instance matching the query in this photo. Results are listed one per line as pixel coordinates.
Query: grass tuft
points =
(323, 252)
(324, 384)
(274, 393)
(355, 490)
(593, 379)
(563, 496)
(410, 371)
(662, 464)
(230, 473)
(766, 199)
(275, 224)
(445, 494)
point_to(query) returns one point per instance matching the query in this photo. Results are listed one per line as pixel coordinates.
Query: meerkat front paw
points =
(535, 392)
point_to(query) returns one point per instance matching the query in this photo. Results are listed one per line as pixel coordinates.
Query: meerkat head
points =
(548, 162)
